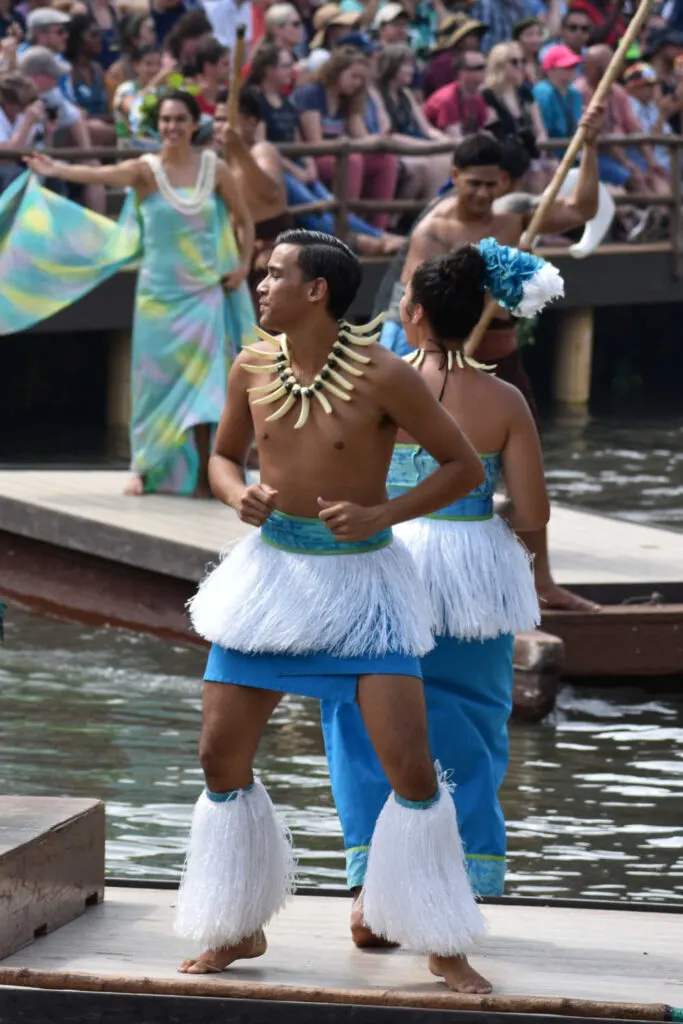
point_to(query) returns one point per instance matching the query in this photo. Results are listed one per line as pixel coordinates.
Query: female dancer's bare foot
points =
(552, 596)
(135, 487)
(458, 974)
(362, 937)
(216, 960)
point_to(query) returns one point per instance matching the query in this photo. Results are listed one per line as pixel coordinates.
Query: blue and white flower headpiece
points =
(519, 281)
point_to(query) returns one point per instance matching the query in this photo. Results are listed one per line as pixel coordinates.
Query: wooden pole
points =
(236, 75)
(550, 195)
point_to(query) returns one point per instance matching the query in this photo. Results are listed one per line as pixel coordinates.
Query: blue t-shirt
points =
(560, 111)
(312, 97)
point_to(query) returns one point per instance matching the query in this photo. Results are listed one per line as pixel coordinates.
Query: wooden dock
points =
(67, 537)
(609, 964)
(86, 511)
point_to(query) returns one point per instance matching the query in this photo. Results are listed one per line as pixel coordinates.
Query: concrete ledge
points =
(51, 865)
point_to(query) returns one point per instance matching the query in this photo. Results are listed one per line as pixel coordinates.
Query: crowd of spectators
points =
(89, 73)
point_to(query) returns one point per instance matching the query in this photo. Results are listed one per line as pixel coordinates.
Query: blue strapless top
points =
(411, 464)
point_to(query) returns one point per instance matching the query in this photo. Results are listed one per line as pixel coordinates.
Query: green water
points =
(593, 797)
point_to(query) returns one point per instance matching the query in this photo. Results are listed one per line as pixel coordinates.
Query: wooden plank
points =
(551, 960)
(621, 640)
(51, 864)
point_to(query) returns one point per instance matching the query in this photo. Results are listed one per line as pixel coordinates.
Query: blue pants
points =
(298, 193)
(468, 689)
(611, 171)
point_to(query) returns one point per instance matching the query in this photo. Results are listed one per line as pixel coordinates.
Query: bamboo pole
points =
(436, 998)
(236, 75)
(550, 195)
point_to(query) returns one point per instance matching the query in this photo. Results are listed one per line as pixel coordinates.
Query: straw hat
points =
(327, 16)
(454, 29)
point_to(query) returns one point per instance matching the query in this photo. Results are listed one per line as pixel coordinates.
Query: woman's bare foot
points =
(135, 487)
(458, 975)
(362, 937)
(216, 960)
(555, 597)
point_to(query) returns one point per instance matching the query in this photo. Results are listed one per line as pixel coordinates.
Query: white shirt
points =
(225, 17)
(7, 129)
(67, 112)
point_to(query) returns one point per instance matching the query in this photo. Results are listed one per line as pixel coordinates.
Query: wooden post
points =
(340, 188)
(118, 386)
(675, 171)
(573, 360)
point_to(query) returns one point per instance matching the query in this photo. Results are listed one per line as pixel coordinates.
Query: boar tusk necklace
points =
(342, 362)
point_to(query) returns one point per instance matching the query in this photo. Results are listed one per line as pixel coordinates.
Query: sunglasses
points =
(293, 24)
(475, 67)
(578, 28)
(515, 61)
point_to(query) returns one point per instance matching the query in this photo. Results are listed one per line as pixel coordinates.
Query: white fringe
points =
(239, 870)
(416, 887)
(261, 599)
(545, 286)
(478, 576)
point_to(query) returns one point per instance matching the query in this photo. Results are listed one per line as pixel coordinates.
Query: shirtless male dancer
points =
(468, 216)
(257, 168)
(323, 602)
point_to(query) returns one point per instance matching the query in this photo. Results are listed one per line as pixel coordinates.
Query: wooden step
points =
(51, 865)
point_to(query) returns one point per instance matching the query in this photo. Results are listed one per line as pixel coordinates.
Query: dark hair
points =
(266, 56)
(129, 31)
(144, 51)
(249, 104)
(572, 12)
(210, 52)
(180, 96)
(191, 25)
(78, 26)
(325, 256)
(480, 150)
(515, 159)
(450, 289)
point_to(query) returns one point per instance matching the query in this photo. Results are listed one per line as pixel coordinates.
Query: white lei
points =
(204, 187)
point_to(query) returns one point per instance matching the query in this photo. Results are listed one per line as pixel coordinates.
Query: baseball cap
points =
(662, 37)
(390, 12)
(359, 42)
(641, 73)
(559, 57)
(522, 25)
(38, 60)
(45, 17)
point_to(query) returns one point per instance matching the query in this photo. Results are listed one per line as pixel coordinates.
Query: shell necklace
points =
(342, 361)
(456, 358)
(203, 189)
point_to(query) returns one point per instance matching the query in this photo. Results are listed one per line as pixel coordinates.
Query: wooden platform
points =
(595, 963)
(51, 864)
(86, 511)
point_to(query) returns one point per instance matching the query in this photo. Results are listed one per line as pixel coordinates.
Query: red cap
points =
(559, 56)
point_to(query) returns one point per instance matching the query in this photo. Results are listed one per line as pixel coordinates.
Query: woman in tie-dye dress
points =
(192, 308)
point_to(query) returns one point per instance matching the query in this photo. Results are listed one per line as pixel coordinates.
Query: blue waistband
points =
(311, 537)
(410, 465)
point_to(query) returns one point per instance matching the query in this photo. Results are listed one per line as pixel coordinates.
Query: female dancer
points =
(176, 222)
(476, 572)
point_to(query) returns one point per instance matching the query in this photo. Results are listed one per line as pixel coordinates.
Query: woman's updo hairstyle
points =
(450, 289)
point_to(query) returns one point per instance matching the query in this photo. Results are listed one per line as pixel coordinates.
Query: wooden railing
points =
(341, 206)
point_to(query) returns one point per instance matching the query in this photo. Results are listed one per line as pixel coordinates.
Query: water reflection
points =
(634, 470)
(594, 797)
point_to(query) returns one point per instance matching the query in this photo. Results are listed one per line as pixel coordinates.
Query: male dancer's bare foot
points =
(135, 487)
(458, 975)
(552, 596)
(362, 937)
(216, 960)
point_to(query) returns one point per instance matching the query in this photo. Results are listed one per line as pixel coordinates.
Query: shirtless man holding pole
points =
(468, 216)
(325, 402)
